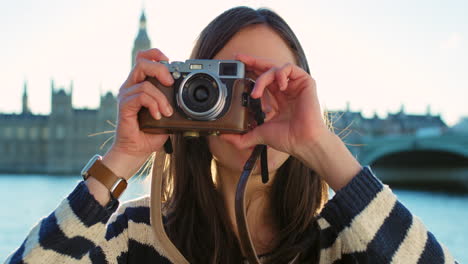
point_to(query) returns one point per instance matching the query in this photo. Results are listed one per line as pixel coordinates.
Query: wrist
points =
(123, 164)
(330, 158)
(98, 190)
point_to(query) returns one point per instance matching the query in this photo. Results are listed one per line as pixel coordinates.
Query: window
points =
(20, 132)
(8, 131)
(45, 133)
(60, 132)
(33, 133)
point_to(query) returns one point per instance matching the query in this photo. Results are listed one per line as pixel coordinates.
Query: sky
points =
(376, 55)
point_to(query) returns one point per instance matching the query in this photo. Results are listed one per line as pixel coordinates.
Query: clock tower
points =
(142, 41)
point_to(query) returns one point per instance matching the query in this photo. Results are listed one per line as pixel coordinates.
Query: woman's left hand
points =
(297, 126)
(298, 118)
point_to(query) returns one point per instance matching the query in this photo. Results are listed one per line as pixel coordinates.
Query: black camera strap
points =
(255, 106)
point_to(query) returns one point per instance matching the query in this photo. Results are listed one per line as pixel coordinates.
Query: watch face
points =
(84, 171)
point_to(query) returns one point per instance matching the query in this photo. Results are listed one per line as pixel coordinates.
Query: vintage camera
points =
(208, 96)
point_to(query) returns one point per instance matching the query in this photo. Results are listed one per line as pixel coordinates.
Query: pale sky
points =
(375, 54)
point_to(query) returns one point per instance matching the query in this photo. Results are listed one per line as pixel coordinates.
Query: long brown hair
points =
(196, 218)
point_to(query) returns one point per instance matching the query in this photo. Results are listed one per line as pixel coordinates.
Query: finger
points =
(292, 71)
(244, 141)
(282, 76)
(264, 80)
(256, 64)
(147, 68)
(269, 105)
(151, 54)
(156, 94)
(132, 104)
(292, 79)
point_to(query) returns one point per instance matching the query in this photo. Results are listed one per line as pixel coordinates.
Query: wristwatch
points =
(96, 169)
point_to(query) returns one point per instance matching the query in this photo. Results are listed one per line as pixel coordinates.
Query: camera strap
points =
(259, 150)
(255, 106)
(170, 251)
(242, 227)
(248, 248)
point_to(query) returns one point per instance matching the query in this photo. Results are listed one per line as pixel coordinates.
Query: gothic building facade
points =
(63, 141)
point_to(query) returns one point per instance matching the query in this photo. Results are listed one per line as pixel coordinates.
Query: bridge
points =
(439, 160)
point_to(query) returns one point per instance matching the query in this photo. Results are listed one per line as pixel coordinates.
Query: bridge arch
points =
(389, 149)
(421, 159)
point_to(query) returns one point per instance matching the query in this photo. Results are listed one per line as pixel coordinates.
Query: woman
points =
(363, 223)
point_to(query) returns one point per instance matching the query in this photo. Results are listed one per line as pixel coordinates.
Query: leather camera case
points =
(237, 119)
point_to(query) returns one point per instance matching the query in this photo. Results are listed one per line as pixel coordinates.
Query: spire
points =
(25, 99)
(52, 86)
(143, 20)
(402, 109)
(142, 41)
(376, 116)
(25, 88)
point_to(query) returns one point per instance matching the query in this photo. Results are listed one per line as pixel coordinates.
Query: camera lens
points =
(200, 93)
(201, 96)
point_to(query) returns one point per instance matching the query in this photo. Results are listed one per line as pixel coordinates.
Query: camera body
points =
(208, 96)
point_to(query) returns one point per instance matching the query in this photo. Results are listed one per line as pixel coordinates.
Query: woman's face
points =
(259, 41)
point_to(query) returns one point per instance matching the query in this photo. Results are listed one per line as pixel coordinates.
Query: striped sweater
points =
(362, 223)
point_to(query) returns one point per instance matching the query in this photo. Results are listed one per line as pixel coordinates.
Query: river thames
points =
(25, 199)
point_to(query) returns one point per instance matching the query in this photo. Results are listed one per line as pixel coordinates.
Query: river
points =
(27, 198)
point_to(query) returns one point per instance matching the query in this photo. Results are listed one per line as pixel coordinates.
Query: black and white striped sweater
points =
(362, 223)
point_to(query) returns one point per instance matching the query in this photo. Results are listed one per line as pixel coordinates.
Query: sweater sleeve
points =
(365, 223)
(76, 231)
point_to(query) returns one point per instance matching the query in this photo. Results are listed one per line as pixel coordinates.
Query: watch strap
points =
(103, 174)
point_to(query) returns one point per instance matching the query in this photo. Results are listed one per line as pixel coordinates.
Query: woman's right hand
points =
(131, 146)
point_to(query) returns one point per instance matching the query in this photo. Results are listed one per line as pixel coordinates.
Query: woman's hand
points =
(297, 126)
(131, 146)
(297, 118)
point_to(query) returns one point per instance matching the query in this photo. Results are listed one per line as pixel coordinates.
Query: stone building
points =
(400, 123)
(461, 126)
(355, 129)
(61, 142)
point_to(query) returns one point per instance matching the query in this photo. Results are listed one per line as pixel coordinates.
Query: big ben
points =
(142, 41)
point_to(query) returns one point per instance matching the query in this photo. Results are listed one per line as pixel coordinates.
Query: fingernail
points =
(170, 80)
(168, 110)
(158, 115)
